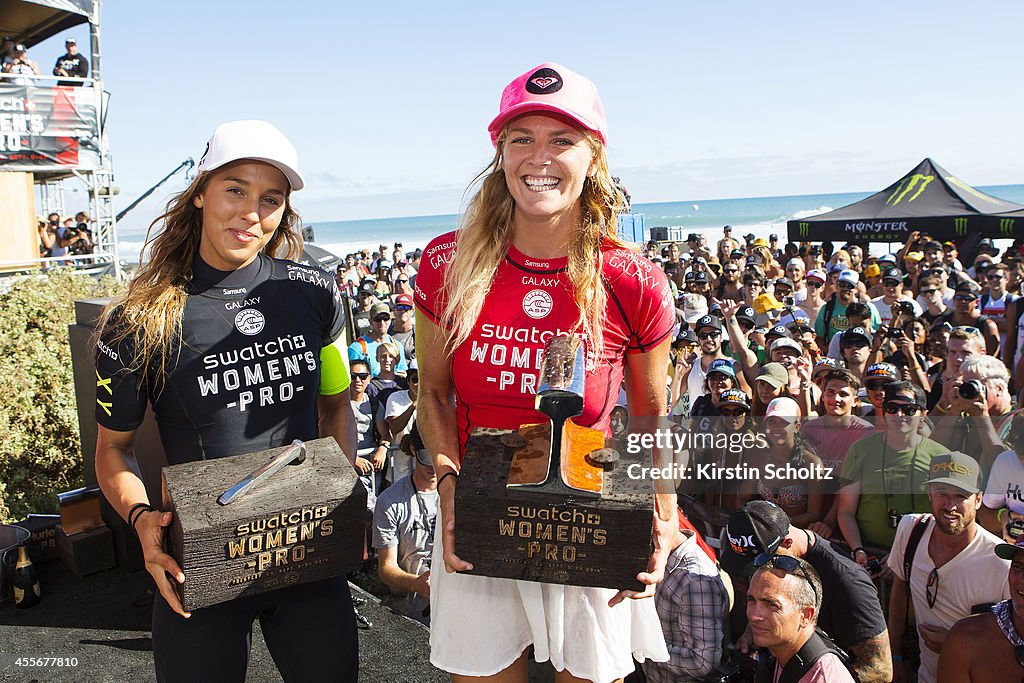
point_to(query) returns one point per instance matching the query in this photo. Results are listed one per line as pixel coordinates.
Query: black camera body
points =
(904, 307)
(971, 389)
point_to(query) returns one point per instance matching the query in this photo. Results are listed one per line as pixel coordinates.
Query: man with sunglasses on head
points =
(882, 477)
(953, 569)
(989, 647)
(760, 534)
(963, 343)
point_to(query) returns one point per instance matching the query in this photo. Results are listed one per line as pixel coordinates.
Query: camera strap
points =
(920, 526)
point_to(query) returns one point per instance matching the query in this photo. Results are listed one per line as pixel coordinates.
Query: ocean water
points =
(761, 216)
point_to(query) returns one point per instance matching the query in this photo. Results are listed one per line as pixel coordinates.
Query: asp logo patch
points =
(250, 321)
(544, 82)
(537, 303)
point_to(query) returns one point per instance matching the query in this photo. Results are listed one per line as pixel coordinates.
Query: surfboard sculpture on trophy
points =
(551, 501)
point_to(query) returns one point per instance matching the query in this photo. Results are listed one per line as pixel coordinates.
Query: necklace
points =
(1005, 621)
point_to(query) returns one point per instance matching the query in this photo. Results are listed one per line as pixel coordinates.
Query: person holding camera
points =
(963, 342)
(894, 301)
(950, 572)
(980, 409)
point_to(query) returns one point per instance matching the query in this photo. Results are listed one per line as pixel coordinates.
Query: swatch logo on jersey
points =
(537, 303)
(250, 321)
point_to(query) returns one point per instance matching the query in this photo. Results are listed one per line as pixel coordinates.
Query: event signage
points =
(48, 129)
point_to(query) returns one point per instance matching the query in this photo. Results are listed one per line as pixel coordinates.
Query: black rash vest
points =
(248, 373)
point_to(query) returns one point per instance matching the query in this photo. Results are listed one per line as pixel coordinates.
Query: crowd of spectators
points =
(17, 66)
(896, 372)
(899, 374)
(391, 460)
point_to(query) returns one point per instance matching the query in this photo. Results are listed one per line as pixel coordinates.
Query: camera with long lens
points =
(972, 389)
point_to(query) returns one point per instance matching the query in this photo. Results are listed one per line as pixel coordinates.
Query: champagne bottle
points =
(26, 581)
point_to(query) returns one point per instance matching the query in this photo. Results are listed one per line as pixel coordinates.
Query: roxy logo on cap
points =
(544, 82)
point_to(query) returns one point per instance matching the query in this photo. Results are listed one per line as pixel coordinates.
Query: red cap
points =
(403, 300)
(552, 88)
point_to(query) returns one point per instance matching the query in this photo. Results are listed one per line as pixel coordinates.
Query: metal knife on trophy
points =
(552, 501)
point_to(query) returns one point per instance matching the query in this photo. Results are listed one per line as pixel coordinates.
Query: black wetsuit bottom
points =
(310, 630)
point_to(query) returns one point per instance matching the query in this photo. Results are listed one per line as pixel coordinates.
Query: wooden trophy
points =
(549, 502)
(251, 523)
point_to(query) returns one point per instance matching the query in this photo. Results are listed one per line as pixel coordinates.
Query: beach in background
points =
(761, 216)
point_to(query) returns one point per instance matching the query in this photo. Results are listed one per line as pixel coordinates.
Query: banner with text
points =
(48, 129)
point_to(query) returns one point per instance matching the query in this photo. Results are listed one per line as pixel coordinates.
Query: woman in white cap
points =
(237, 351)
(537, 253)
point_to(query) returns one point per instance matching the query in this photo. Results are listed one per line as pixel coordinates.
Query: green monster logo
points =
(906, 186)
(960, 226)
(1006, 227)
(805, 229)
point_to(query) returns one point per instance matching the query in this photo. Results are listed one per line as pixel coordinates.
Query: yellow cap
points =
(872, 271)
(914, 256)
(767, 302)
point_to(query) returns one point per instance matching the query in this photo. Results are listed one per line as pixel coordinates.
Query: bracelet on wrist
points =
(136, 511)
(859, 550)
(445, 476)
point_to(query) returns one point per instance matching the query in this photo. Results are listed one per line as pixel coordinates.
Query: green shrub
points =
(40, 451)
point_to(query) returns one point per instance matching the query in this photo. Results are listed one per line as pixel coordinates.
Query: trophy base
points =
(303, 524)
(522, 533)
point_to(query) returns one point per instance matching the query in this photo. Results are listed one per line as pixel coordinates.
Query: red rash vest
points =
(494, 372)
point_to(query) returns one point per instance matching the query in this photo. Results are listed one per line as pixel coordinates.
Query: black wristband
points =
(859, 550)
(445, 476)
(136, 511)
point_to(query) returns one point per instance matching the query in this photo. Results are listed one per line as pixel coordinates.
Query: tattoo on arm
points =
(873, 659)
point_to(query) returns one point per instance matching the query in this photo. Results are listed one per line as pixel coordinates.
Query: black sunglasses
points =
(732, 412)
(965, 298)
(361, 375)
(708, 335)
(382, 318)
(787, 564)
(905, 409)
(814, 284)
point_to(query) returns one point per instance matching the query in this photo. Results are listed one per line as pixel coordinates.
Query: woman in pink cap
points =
(537, 253)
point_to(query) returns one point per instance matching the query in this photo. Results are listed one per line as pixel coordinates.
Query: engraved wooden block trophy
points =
(257, 522)
(548, 502)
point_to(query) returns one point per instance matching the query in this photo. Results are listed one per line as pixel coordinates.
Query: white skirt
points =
(479, 625)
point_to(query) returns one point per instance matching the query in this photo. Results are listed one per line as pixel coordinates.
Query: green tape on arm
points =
(334, 377)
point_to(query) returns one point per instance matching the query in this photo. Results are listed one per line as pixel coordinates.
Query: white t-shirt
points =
(694, 388)
(885, 310)
(974, 577)
(996, 309)
(1005, 487)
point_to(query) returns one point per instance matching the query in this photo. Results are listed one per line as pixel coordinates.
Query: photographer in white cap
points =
(213, 300)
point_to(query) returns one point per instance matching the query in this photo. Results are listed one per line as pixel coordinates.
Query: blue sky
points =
(388, 103)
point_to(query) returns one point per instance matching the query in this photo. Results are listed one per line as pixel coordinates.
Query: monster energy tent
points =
(927, 199)
(33, 21)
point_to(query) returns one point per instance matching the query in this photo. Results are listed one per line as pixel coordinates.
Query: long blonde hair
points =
(149, 314)
(485, 235)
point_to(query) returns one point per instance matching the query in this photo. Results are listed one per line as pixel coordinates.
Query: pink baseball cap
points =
(552, 88)
(783, 407)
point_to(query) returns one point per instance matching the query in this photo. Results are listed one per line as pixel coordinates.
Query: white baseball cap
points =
(850, 276)
(257, 140)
